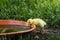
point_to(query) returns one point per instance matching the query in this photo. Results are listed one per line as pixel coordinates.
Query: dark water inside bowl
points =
(11, 28)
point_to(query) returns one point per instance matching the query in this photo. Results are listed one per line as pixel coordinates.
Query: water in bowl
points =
(11, 28)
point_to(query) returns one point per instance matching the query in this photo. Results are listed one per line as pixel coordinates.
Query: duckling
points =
(39, 23)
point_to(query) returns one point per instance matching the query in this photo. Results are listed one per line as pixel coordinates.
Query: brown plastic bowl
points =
(7, 23)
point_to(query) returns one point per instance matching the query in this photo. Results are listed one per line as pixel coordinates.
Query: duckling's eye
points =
(29, 22)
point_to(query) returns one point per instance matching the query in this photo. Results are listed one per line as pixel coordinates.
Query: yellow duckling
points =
(38, 22)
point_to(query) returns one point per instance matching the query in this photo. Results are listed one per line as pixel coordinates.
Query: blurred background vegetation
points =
(48, 10)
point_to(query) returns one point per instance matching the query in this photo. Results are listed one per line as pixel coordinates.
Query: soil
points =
(50, 34)
(53, 31)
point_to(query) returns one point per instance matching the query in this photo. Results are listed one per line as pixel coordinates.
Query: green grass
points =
(48, 10)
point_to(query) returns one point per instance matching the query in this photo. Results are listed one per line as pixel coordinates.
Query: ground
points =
(50, 35)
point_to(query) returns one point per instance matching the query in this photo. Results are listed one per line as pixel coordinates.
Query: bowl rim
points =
(33, 27)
